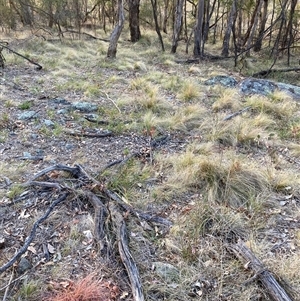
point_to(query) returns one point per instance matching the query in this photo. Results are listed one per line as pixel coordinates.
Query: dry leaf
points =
(51, 249)
(32, 249)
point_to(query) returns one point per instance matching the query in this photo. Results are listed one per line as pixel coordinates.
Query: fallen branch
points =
(132, 270)
(39, 67)
(261, 273)
(228, 117)
(265, 73)
(90, 135)
(31, 236)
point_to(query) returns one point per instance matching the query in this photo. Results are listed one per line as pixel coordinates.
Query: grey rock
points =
(166, 270)
(34, 136)
(24, 265)
(257, 86)
(39, 152)
(27, 115)
(223, 80)
(69, 146)
(292, 90)
(27, 155)
(59, 101)
(49, 123)
(84, 106)
(62, 111)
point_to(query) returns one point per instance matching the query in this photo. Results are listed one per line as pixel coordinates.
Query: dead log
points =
(265, 73)
(126, 257)
(244, 254)
(39, 67)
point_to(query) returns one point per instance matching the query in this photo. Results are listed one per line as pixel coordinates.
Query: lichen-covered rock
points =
(84, 106)
(223, 80)
(27, 115)
(257, 86)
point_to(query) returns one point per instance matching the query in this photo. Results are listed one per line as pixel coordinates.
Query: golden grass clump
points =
(280, 110)
(189, 91)
(228, 99)
(224, 181)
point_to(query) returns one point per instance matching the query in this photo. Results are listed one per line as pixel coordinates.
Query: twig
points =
(72, 170)
(112, 102)
(43, 184)
(29, 238)
(90, 135)
(266, 278)
(20, 277)
(7, 288)
(236, 114)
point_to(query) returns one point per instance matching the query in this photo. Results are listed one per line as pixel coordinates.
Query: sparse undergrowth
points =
(217, 180)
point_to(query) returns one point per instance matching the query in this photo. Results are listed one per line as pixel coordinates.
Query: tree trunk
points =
(134, 20)
(254, 25)
(198, 39)
(166, 16)
(154, 7)
(230, 23)
(289, 38)
(112, 48)
(177, 25)
(263, 22)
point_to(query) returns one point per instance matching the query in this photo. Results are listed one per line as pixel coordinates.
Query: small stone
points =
(84, 106)
(27, 155)
(2, 242)
(62, 111)
(60, 101)
(223, 80)
(34, 136)
(49, 123)
(166, 271)
(23, 265)
(69, 146)
(27, 115)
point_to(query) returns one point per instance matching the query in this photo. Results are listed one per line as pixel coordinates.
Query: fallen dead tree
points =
(109, 211)
(39, 67)
(244, 254)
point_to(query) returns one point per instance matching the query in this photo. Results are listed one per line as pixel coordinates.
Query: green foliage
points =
(25, 105)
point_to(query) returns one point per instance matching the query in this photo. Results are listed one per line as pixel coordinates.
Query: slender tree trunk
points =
(177, 25)
(198, 39)
(250, 25)
(239, 28)
(154, 8)
(216, 21)
(134, 20)
(262, 27)
(253, 29)
(289, 33)
(279, 35)
(166, 16)
(230, 24)
(112, 48)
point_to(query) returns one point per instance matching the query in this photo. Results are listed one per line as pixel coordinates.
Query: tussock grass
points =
(282, 110)
(222, 180)
(228, 99)
(189, 91)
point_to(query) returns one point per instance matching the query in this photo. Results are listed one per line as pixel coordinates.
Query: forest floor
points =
(215, 180)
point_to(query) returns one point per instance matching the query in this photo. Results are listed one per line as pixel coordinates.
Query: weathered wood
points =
(126, 257)
(276, 292)
(39, 67)
(269, 71)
